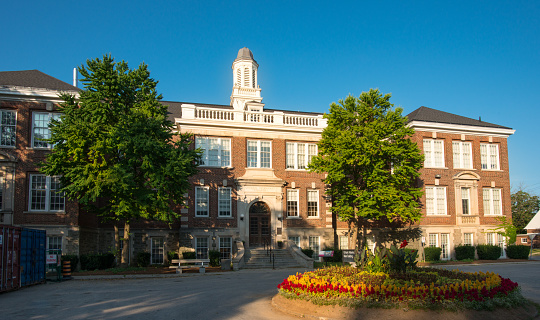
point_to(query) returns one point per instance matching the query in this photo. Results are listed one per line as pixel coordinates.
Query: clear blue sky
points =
(472, 58)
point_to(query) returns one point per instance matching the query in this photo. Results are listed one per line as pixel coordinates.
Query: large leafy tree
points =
(372, 165)
(524, 207)
(115, 149)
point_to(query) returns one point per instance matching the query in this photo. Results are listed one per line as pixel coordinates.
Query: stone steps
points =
(257, 259)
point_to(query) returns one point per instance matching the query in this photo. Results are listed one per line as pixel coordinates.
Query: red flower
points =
(403, 244)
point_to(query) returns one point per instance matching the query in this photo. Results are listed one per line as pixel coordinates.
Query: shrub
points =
(97, 261)
(73, 259)
(401, 259)
(214, 256)
(488, 251)
(308, 252)
(143, 259)
(171, 255)
(188, 255)
(432, 253)
(465, 252)
(517, 252)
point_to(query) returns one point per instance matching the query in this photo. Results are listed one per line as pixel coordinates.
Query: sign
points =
(51, 259)
(348, 255)
(326, 254)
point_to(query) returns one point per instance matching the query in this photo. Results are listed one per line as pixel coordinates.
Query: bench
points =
(180, 264)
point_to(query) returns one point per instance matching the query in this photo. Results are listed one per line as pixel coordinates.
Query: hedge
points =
(432, 253)
(518, 252)
(97, 261)
(465, 252)
(338, 255)
(308, 252)
(143, 259)
(188, 255)
(488, 252)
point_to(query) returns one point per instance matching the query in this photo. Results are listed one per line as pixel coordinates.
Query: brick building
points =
(252, 184)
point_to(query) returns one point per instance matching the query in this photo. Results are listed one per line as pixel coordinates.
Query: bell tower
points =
(246, 94)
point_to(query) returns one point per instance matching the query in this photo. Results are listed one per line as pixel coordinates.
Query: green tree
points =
(524, 207)
(371, 163)
(115, 149)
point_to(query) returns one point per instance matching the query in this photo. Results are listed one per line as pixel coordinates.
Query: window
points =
(445, 246)
(433, 240)
(524, 240)
(489, 156)
(296, 241)
(434, 153)
(45, 194)
(216, 151)
(157, 249)
(201, 248)
(344, 242)
(468, 239)
(40, 130)
(462, 154)
(258, 154)
(492, 201)
(314, 244)
(224, 199)
(201, 201)
(225, 248)
(313, 203)
(465, 200)
(497, 240)
(54, 243)
(292, 202)
(436, 200)
(299, 155)
(8, 124)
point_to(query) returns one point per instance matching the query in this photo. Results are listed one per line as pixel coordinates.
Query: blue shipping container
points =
(32, 256)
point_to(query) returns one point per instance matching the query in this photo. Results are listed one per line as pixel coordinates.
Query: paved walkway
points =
(243, 294)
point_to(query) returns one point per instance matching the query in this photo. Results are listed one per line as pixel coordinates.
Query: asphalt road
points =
(243, 294)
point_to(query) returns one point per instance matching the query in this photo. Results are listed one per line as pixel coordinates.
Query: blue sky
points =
(472, 58)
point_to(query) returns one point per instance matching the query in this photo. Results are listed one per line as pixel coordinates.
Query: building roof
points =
(33, 79)
(244, 53)
(534, 223)
(426, 114)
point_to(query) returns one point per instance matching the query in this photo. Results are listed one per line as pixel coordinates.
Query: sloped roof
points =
(535, 222)
(431, 115)
(33, 79)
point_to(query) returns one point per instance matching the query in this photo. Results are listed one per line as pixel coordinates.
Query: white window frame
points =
(37, 143)
(489, 201)
(524, 240)
(310, 192)
(258, 145)
(223, 150)
(57, 239)
(296, 240)
(224, 202)
(315, 245)
(496, 239)
(465, 240)
(222, 245)
(465, 199)
(344, 242)
(436, 199)
(198, 241)
(9, 128)
(459, 149)
(293, 198)
(157, 253)
(298, 155)
(429, 153)
(204, 201)
(433, 240)
(445, 246)
(489, 156)
(48, 194)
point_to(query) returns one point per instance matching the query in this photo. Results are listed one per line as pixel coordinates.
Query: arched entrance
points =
(259, 224)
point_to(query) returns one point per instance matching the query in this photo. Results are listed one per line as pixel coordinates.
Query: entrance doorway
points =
(259, 224)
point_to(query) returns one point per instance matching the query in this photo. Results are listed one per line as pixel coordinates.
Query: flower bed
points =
(419, 288)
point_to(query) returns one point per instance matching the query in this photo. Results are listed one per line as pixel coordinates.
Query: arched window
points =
(259, 207)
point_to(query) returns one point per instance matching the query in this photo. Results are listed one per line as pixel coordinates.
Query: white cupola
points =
(246, 94)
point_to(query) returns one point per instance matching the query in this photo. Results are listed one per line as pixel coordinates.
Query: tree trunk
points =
(125, 250)
(117, 253)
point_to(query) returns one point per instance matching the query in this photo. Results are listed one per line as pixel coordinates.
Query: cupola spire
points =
(246, 93)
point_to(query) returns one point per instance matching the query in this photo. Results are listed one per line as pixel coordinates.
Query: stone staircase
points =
(256, 258)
